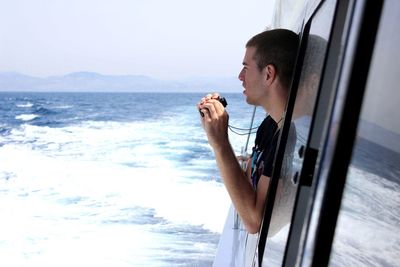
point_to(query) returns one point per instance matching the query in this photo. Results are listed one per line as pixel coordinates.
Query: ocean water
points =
(110, 179)
(128, 179)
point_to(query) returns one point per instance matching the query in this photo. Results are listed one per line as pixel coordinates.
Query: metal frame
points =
(339, 104)
(268, 210)
(312, 154)
(351, 81)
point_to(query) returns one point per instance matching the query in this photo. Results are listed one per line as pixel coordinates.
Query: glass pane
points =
(298, 135)
(367, 233)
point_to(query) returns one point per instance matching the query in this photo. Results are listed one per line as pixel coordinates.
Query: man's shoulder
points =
(266, 131)
(268, 125)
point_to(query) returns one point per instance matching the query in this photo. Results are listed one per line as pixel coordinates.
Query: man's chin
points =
(248, 100)
(246, 96)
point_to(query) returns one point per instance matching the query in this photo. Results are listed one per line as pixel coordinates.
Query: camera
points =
(222, 100)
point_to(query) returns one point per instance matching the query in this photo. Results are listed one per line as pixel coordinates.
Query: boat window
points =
(314, 57)
(369, 218)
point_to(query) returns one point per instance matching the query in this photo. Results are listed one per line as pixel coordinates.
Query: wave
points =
(44, 111)
(370, 209)
(145, 180)
(26, 105)
(169, 191)
(94, 160)
(26, 117)
(63, 107)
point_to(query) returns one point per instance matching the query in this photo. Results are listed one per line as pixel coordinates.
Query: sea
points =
(110, 179)
(129, 179)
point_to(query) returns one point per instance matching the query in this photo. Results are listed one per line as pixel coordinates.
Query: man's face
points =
(252, 78)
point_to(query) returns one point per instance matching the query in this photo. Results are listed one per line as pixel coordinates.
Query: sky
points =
(170, 39)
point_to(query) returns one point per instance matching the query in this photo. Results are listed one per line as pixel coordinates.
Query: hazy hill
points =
(95, 82)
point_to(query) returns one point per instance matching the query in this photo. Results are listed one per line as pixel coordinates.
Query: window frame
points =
(332, 133)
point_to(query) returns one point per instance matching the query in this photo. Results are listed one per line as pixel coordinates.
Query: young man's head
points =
(270, 57)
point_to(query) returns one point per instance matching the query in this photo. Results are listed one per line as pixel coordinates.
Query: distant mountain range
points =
(95, 82)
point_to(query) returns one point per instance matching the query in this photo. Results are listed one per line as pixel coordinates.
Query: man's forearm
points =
(237, 183)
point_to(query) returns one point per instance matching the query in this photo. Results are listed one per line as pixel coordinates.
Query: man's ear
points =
(270, 74)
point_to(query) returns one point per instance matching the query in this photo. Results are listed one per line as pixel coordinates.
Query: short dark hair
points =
(279, 48)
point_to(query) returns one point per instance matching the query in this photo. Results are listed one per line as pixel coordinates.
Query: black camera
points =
(222, 100)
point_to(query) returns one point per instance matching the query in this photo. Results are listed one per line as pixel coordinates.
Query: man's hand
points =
(215, 120)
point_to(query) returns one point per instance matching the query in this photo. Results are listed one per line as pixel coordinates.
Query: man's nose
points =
(241, 77)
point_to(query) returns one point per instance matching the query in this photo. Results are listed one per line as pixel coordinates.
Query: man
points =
(266, 76)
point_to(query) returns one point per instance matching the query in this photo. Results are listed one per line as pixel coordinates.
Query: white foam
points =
(26, 105)
(93, 159)
(367, 222)
(63, 107)
(26, 117)
(60, 186)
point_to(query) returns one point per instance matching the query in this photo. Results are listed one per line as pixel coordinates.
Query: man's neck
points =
(276, 105)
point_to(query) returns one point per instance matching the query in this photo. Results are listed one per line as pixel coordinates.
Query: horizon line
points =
(117, 75)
